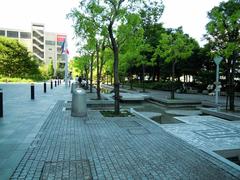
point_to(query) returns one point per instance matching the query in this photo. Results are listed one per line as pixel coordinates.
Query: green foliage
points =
(15, 60)
(50, 69)
(60, 72)
(206, 77)
(81, 63)
(224, 39)
(224, 27)
(174, 46)
(44, 71)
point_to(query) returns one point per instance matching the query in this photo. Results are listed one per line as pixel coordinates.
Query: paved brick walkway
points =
(97, 147)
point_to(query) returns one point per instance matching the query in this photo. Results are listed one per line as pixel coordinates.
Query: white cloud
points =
(19, 14)
(190, 14)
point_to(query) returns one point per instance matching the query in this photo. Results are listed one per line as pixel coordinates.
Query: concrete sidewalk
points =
(22, 120)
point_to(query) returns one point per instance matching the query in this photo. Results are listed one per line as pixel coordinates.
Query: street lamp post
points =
(217, 61)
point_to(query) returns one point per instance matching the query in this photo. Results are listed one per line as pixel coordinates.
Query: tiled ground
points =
(207, 132)
(95, 147)
(22, 120)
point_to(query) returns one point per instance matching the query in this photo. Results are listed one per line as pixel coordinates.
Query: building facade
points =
(45, 46)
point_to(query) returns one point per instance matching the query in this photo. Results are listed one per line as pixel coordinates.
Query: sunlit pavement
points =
(22, 120)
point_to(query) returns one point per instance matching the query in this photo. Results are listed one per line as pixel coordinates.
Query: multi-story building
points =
(45, 46)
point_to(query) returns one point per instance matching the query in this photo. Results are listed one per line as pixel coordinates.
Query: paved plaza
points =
(40, 140)
(22, 120)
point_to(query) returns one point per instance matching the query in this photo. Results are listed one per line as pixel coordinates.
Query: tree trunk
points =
(102, 62)
(231, 63)
(131, 80)
(231, 92)
(131, 83)
(232, 85)
(158, 71)
(173, 80)
(86, 75)
(227, 83)
(178, 79)
(143, 77)
(153, 75)
(91, 73)
(98, 73)
(115, 69)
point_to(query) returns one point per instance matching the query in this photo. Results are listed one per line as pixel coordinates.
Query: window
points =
(2, 33)
(25, 35)
(50, 49)
(50, 58)
(50, 42)
(13, 34)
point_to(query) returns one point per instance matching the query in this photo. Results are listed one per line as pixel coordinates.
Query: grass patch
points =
(112, 114)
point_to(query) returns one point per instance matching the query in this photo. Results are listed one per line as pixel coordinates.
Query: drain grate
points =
(77, 169)
(127, 124)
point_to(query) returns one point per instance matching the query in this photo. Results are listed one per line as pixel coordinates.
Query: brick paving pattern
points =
(219, 130)
(96, 147)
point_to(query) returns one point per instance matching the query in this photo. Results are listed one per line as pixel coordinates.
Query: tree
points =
(131, 50)
(224, 38)
(174, 47)
(111, 14)
(100, 58)
(119, 11)
(150, 15)
(50, 69)
(82, 64)
(88, 25)
(201, 66)
(193, 64)
(15, 60)
(59, 71)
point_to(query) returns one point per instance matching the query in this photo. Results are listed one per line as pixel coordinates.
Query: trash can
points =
(74, 86)
(79, 103)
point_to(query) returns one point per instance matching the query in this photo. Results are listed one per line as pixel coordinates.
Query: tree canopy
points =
(224, 39)
(115, 20)
(15, 60)
(126, 39)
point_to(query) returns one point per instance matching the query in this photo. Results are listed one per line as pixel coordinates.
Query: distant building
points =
(45, 46)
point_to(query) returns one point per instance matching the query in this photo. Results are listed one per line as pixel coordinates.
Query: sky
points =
(20, 14)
